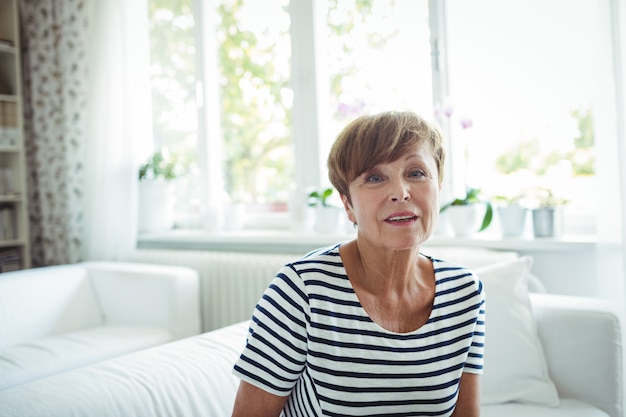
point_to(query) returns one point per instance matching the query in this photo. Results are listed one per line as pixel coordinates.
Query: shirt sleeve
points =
(474, 363)
(276, 347)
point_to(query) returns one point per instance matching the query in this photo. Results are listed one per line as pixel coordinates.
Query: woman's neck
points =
(381, 270)
(395, 289)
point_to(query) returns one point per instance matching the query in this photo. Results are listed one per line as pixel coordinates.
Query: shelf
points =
(14, 217)
(8, 149)
(12, 243)
(12, 98)
(11, 198)
(284, 241)
(6, 49)
(526, 243)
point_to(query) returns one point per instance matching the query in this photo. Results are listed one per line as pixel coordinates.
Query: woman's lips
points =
(401, 218)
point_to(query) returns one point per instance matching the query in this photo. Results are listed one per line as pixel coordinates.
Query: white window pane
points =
(172, 60)
(378, 59)
(174, 108)
(526, 72)
(255, 99)
(242, 124)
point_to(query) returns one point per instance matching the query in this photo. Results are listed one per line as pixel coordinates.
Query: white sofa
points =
(57, 318)
(582, 340)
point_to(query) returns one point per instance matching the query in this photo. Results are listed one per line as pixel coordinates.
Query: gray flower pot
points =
(547, 221)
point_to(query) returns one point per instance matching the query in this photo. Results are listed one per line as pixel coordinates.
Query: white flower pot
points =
(234, 216)
(155, 206)
(512, 220)
(466, 220)
(329, 219)
(302, 216)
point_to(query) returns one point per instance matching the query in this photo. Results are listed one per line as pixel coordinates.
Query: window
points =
(251, 94)
(526, 75)
(378, 59)
(221, 99)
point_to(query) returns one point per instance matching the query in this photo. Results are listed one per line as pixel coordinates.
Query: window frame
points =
(309, 92)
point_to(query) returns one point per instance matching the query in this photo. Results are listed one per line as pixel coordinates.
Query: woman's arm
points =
(468, 403)
(252, 401)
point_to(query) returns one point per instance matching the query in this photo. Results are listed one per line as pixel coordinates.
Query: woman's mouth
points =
(401, 219)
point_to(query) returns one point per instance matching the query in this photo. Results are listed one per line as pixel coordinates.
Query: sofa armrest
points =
(583, 340)
(145, 294)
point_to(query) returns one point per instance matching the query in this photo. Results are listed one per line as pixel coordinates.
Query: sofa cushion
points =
(567, 408)
(515, 365)
(188, 377)
(35, 303)
(29, 361)
(479, 257)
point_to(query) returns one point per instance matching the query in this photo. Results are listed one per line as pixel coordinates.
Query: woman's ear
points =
(348, 207)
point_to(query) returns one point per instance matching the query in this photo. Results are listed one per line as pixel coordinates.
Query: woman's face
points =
(396, 204)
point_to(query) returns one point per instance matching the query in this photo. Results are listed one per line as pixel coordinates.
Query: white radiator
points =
(230, 283)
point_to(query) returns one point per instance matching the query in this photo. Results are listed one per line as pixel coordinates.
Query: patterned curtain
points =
(54, 42)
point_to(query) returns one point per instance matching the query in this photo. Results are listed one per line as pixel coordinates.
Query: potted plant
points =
(511, 214)
(327, 215)
(320, 198)
(548, 215)
(160, 166)
(465, 213)
(156, 199)
(234, 216)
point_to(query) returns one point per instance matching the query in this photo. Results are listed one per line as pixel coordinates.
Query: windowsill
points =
(286, 241)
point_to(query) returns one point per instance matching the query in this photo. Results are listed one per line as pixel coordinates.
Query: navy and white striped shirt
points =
(311, 339)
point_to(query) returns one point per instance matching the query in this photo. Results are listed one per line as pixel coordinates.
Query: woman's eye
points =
(417, 173)
(373, 178)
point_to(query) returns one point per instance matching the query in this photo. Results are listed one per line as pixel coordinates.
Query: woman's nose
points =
(399, 190)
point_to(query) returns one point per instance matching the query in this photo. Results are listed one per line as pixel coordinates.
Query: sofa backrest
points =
(38, 302)
(145, 294)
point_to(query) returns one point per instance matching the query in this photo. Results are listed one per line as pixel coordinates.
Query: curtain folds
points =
(55, 92)
(119, 125)
(87, 105)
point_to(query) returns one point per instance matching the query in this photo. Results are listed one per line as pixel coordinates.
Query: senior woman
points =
(371, 327)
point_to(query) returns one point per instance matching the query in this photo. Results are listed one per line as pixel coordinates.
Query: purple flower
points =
(437, 112)
(345, 109)
(441, 111)
(466, 123)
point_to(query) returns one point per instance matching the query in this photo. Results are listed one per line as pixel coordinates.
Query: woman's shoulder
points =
(328, 255)
(317, 260)
(330, 250)
(314, 273)
(451, 271)
(440, 264)
(457, 284)
(323, 264)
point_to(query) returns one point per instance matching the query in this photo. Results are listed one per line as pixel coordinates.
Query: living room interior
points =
(530, 98)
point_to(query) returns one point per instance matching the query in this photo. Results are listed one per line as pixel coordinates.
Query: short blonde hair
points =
(381, 138)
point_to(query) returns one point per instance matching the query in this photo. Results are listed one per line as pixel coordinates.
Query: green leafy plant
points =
(320, 198)
(472, 196)
(159, 166)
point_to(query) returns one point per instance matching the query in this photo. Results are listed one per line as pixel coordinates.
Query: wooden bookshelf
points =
(14, 228)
